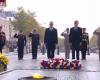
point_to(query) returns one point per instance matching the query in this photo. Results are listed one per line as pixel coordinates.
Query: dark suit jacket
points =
(51, 37)
(75, 36)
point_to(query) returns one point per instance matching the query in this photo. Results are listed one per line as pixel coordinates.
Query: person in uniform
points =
(50, 40)
(2, 39)
(35, 42)
(84, 43)
(97, 32)
(21, 43)
(75, 38)
(66, 43)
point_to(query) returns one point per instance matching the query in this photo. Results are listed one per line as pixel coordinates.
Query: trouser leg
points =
(52, 52)
(19, 53)
(67, 55)
(34, 52)
(73, 53)
(99, 53)
(99, 50)
(22, 52)
(84, 54)
(77, 54)
(0, 49)
(48, 53)
(67, 52)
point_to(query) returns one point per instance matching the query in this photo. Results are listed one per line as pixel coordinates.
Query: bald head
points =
(76, 22)
(51, 24)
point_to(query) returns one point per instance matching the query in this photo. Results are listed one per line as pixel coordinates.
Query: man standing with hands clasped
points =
(50, 40)
(75, 38)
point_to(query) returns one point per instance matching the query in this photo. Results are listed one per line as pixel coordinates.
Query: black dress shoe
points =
(84, 59)
(19, 59)
(34, 58)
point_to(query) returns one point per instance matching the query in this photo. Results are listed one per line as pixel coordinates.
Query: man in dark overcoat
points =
(50, 40)
(75, 38)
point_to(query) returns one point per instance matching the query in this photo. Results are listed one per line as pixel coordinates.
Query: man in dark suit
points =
(75, 38)
(50, 40)
(2, 39)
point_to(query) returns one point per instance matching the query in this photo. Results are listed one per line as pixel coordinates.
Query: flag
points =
(2, 2)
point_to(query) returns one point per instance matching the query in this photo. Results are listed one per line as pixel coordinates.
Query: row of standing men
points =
(76, 39)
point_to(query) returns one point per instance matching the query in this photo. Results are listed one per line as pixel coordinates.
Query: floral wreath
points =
(60, 63)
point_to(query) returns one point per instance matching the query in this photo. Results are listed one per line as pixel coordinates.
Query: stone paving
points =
(26, 67)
